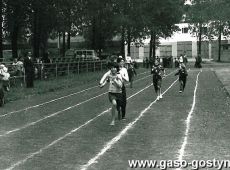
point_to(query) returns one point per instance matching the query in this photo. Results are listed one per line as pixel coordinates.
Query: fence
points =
(54, 70)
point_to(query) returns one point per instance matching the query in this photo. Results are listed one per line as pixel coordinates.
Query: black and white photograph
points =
(114, 84)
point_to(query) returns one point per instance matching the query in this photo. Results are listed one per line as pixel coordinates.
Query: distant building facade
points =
(184, 42)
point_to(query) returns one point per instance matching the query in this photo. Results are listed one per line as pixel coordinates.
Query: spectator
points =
(17, 67)
(29, 70)
(5, 77)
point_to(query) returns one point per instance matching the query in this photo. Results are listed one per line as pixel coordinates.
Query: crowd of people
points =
(22, 67)
(119, 73)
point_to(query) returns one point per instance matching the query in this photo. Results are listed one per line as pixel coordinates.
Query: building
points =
(181, 42)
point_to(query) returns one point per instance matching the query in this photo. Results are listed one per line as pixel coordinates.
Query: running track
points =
(71, 131)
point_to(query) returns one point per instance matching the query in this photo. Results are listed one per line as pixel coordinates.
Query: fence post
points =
(87, 65)
(101, 65)
(68, 69)
(42, 66)
(78, 67)
(56, 70)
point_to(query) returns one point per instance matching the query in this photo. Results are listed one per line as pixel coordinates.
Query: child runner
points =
(121, 107)
(182, 72)
(115, 87)
(157, 70)
(131, 72)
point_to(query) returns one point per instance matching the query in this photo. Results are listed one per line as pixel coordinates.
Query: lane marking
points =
(187, 122)
(56, 113)
(30, 156)
(109, 144)
(54, 100)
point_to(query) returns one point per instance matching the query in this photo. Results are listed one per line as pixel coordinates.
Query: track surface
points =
(63, 131)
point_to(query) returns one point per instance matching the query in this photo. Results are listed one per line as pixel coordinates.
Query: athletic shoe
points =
(161, 96)
(112, 123)
(180, 91)
(158, 97)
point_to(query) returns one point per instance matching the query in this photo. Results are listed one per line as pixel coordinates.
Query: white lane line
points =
(109, 144)
(52, 115)
(51, 101)
(56, 113)
(68, 134)
(41, 104)
(187, 122)
(71, 132)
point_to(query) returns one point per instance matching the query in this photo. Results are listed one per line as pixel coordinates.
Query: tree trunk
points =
(154, 46)
(151, 45)
(219, 43)
(93, 43)
(199, 41)
(1, 20)
(68, 40)
(14, 41)
(63, 44)
(36, 34)
(129, 41)
(123, 42)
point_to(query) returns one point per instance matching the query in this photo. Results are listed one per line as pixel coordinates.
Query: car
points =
(86, 55)
(70, 53)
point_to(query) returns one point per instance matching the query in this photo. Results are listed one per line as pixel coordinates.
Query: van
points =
(86, 55)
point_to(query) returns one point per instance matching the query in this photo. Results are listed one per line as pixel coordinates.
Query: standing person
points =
(182, 72)
(185, 59)
(29, 70)
(5, 77)
(131, 72)
(157, 70)
(125, 78)
(115, 87)
(181, 59)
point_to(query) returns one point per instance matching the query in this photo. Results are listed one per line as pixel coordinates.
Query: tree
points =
(15, 22)
(160, 22)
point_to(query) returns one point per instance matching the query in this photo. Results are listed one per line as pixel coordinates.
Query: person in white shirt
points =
(5, 77)
(115, 87)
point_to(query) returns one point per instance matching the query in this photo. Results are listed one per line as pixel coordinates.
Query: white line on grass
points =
(71, 132)
(109, 144)
(51, 115)
(68, 134)
(51, 101)
(187, 122)
(56, 113)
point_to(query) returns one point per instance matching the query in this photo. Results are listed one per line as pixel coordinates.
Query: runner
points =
(182, 72)
(157, 70)
(131, 72)
(115, 87)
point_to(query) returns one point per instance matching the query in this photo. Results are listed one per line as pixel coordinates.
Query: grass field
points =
(69, 128)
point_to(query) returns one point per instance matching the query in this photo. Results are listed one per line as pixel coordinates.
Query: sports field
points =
(69, 129)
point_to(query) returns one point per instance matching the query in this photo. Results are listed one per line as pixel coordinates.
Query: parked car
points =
(86, 55)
